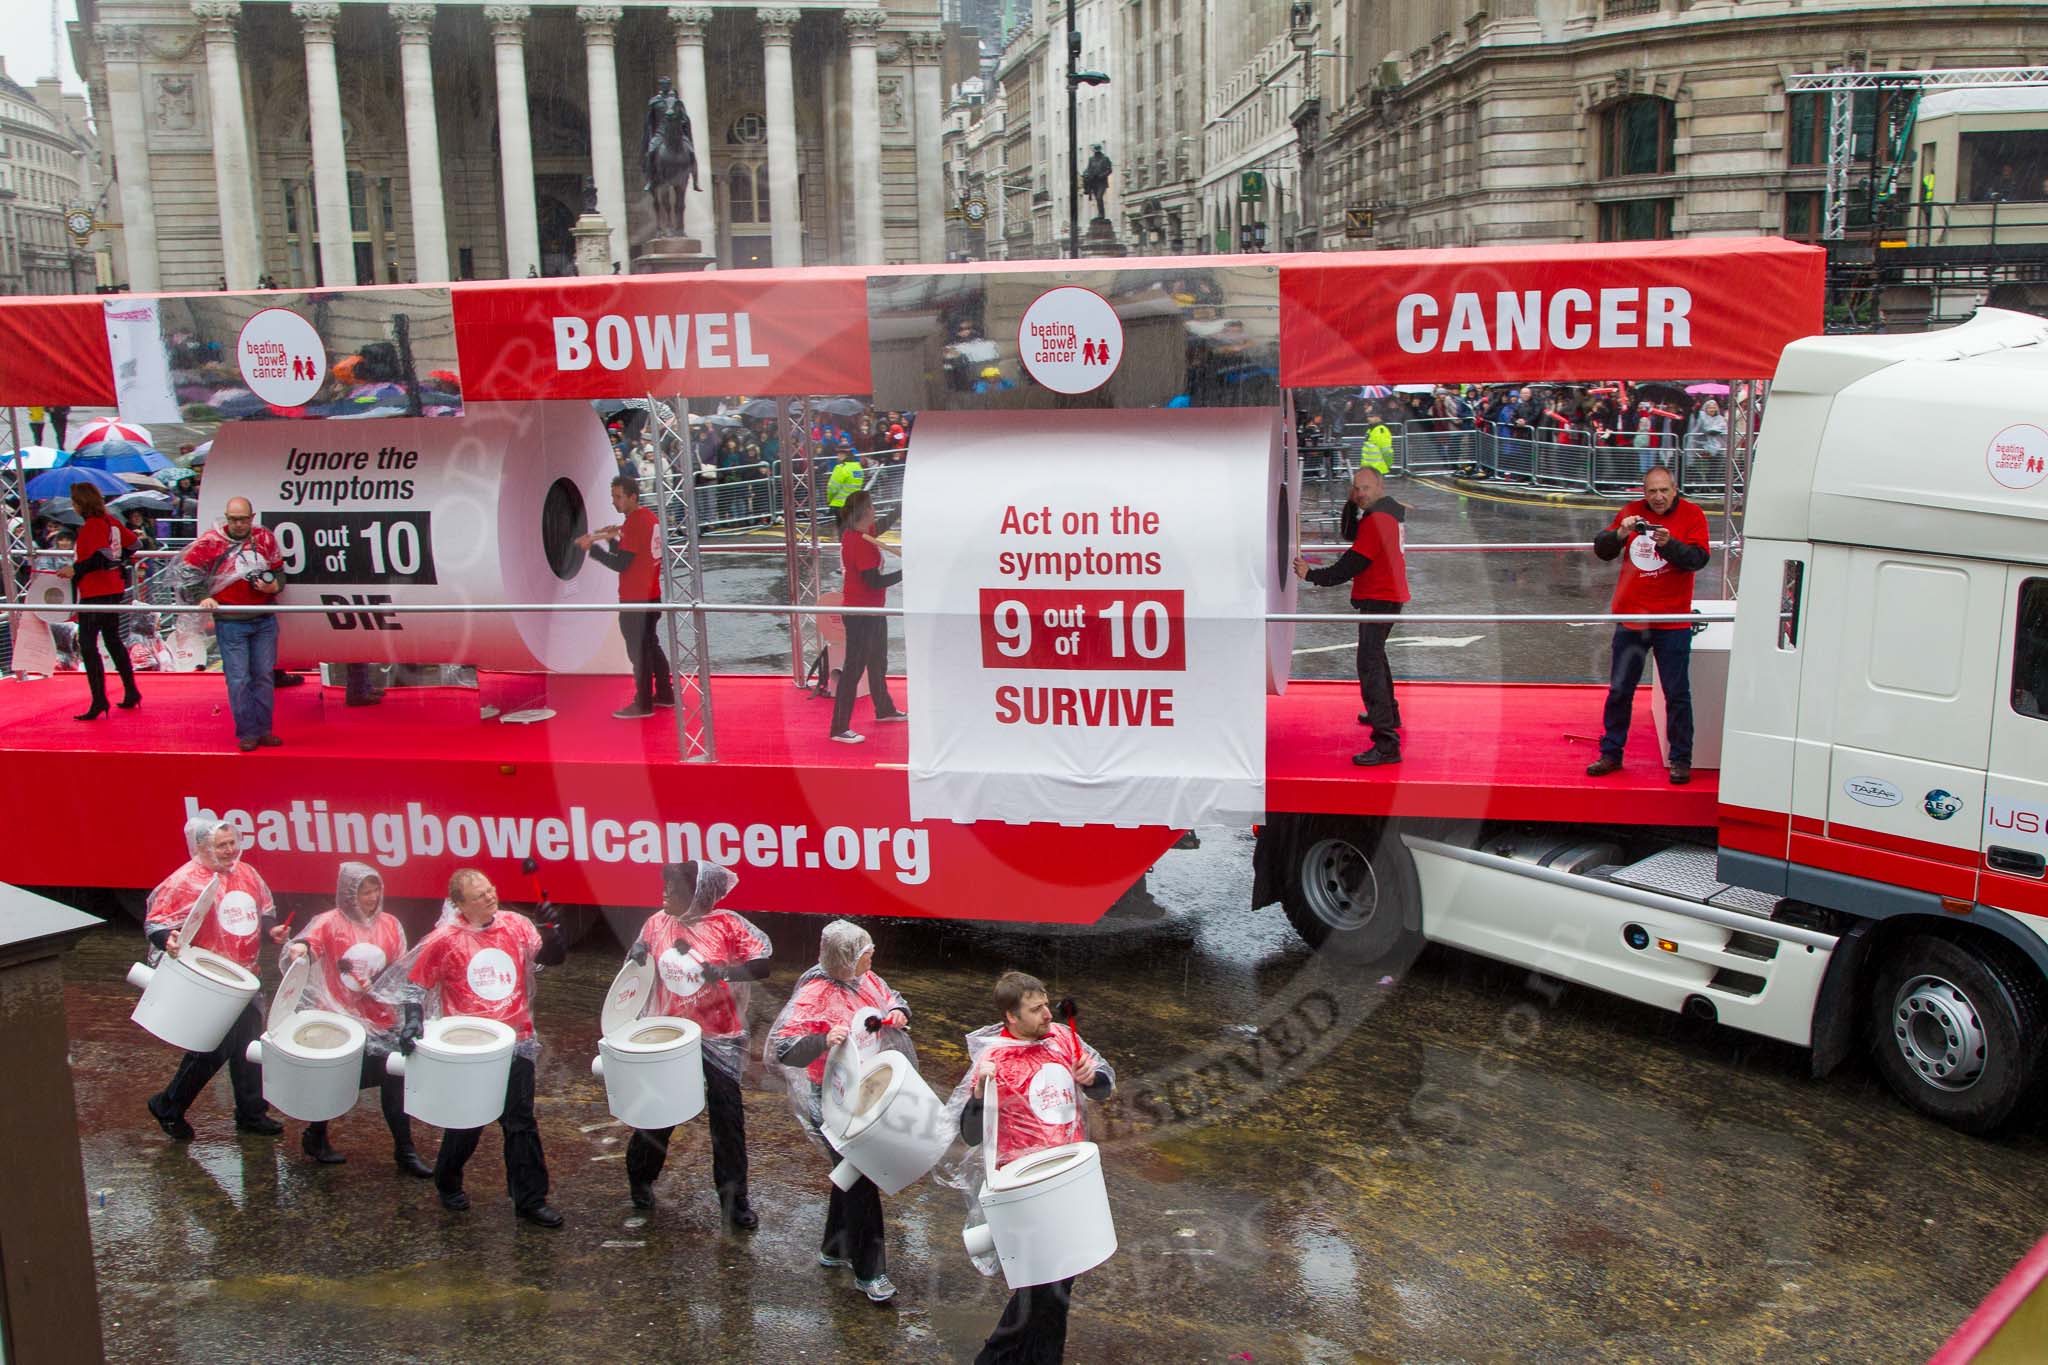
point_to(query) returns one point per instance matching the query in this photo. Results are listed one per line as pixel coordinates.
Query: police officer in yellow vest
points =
(1378, 449)
(848, 477)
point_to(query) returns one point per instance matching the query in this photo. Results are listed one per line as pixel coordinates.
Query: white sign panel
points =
(142, 370)
(1086, 594)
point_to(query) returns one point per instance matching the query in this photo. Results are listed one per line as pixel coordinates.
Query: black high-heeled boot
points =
(95, 711)
(130, 702)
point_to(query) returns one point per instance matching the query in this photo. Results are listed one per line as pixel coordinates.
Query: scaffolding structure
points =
(688, 641)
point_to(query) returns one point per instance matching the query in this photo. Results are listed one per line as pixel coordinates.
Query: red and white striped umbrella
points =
(103, 429)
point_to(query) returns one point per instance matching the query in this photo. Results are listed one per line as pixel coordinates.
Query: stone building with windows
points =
(310, 141)
(48, 171)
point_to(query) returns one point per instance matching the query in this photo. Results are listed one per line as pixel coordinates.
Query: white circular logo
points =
(360, 965)
(1644, 554)
(2018, 456)
(682, 973)
(283, 361)
(238, 913)
(491, 974)
(1051, 1093)
(1070, 339)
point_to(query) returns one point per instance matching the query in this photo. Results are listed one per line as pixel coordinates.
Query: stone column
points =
(422, 142)
(865, 130)
(926, 51)
(777, 28)
(240, 233)
(330, 158)
(690, 24)
(515, 139)
(607, 159)
(123, 49)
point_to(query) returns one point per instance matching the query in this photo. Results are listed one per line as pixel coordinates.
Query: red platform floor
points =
(1513, 751)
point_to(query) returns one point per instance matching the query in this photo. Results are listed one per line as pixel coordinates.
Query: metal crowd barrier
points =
(1545, 457)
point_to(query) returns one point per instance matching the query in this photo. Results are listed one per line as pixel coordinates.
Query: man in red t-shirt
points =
(1665, 541)
(629, 549)
(1377, 570)
(867, 637)
(228, 570)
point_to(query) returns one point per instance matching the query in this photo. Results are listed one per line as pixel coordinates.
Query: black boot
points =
(314, 1143)
(171, 1122)
(733, 1200)
(409, 1163)
(95, 711)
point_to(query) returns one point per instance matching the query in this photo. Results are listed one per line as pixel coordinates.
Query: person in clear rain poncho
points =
(841, 997)
(349, 947)
(233, 930)
(1041, 1071)
(705, 963)
(482, 963)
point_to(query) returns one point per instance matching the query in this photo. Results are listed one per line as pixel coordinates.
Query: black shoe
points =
(542, 1215)
(283, 679)
(634, 710)
(1681, 773)
(174, 1125)
(643, 1195)
(1377, 758)
(409, 1163)
(264, 1126)
(93, 712)
(1602, 766)
(454, 1200)
(319, 1150)
(739, 1213)
(665, 703)
(130, 702)
(271, 741)
(370, 700)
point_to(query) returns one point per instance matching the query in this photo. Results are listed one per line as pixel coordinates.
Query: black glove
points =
(546, 916)
(715, 972)
(638, 957)
(409, 1032)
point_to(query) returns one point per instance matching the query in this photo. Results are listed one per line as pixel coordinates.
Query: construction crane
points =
(1841, 86)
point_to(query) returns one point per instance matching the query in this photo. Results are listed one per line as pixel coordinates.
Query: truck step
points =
(1688, 872)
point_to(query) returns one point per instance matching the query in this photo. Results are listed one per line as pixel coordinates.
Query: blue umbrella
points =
(137, 460)
(57, 483)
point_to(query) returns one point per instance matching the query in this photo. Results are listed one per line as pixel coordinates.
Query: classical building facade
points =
(312, 141)
(48, 171)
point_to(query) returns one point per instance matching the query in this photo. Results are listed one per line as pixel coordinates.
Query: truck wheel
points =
(1350, 888)
(1957, 1034)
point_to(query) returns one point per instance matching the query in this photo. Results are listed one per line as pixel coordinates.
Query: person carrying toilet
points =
(705, 963)
(350, 946)
(841, 997)
(1041, 1070)
(483, 963)
(234, 930)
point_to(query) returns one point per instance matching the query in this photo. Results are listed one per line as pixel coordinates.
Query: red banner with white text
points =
(1698, 309)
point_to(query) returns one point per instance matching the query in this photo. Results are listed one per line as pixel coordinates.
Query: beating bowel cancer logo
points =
(2018, 456)
(282, 358)
(238, 913)
(360, 965)
(491, 974)
(1051, 1094)
(1070, 339)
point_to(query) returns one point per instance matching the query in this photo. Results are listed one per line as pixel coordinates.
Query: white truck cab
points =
(1880, 867)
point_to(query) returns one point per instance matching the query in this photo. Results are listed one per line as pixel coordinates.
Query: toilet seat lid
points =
(627, 997)
(840, 1088)
(201, 908)
(879, 1081)
(285, 1003)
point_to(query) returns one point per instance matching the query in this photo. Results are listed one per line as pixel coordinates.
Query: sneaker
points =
(174, 1125)
(878, 1290)
(834, 1262)
(633, 710)
(1681, 773)
(1602, 766)
(849, 737)
(542, 1215)
(894, 718)
(265, 1126)
(1377, 758)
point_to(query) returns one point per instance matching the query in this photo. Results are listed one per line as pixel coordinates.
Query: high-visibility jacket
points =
(1378, 449)
(847, 479)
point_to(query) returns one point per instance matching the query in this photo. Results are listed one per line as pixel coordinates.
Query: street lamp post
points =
(1076, 78)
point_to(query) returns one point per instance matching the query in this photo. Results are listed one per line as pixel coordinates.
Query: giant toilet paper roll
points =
(477, 509)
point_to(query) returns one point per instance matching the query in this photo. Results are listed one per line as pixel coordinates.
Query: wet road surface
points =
(1444, 1161)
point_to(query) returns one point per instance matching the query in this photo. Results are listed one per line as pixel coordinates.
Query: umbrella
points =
(1719, 390)
(147, 482)
(60, 511)
(111, 429)
(841, 407)
(1375, 391)
(723, 420)
(35, 457)
(758, 408)
(1658, 389)
(1414, 388)
(140, 461)
(148, 500)
(197, 455)
(57, 483)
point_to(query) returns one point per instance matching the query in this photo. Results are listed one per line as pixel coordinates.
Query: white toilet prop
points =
(878, 1113)
(192, 1000)
(653, 1069)
(455, 1077)
(312, 1059)
(1047, 1211)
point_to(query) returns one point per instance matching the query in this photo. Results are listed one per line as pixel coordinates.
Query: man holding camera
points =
(235, 566)
(1662, 542)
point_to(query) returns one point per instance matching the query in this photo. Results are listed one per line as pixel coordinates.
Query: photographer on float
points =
(705, 963)
(350, 946)
(234, 931)
(839, 998)
(229, 569)
(482, 961)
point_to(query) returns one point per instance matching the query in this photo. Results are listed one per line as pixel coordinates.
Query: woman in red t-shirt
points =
(867, 637)
(99, 577)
